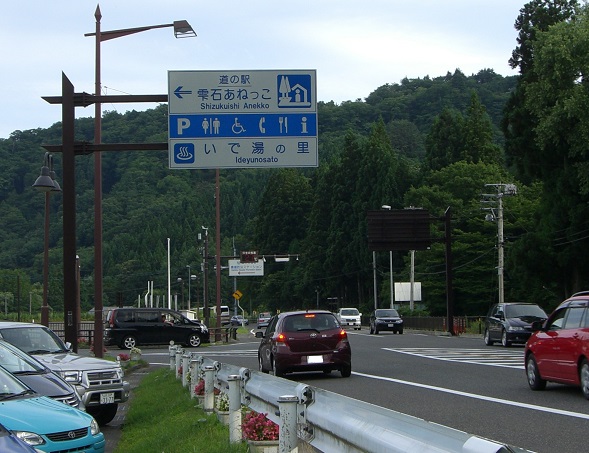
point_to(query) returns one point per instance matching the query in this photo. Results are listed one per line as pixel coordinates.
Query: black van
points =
(130, 327)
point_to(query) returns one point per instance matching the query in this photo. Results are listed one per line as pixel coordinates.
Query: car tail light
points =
(280, 338)
(343, 335)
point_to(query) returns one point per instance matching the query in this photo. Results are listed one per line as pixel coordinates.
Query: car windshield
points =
(18, 363)
(522, 310)
(350, 312)
(33, 340)
(388, 313)
(310, 321)
(10, 386)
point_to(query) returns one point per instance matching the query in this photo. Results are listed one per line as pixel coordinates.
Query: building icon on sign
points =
(294, 91)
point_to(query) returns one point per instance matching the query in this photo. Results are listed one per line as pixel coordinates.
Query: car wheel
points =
(261, 365)
(346, 370)
(277, 371)
(194, 340)
(533, 374)
(487, 338)
(375, 330)
(504, 341)
(584, 378)
(129, 342)
(104, 413)
(401, 331)
(371, 330)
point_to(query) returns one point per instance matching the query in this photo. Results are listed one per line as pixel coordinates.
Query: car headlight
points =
(73, 377)
(30, 438)
(203, 328)
(94, 428)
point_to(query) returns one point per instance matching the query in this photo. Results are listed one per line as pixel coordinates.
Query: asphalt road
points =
(454, 381)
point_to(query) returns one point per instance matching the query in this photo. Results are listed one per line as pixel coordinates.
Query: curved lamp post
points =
(182, 29)
(46, 183)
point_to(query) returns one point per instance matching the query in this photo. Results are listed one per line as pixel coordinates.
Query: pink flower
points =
(199, 389)
(257, 426)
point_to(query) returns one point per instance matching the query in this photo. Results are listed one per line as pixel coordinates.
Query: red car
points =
(558, 350)
(304, 341)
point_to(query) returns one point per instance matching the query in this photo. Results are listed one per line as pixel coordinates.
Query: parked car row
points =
(42, 407)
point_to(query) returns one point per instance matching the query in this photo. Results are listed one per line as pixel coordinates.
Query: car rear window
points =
(310, 321)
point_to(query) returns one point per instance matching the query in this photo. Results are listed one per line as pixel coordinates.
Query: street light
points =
(46, 183)
(181, 30)
(189, 278)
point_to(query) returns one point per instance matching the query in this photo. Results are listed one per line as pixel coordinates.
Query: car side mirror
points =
(259, 334)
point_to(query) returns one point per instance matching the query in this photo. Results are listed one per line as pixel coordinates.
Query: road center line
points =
(478, 397)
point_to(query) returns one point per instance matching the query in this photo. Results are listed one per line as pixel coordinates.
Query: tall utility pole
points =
(496, 214)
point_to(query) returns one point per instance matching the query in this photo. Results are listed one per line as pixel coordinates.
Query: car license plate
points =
(391, 325)
(107, 398)
(315, 359)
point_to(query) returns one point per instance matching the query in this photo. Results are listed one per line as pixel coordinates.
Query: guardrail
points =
(327, 421)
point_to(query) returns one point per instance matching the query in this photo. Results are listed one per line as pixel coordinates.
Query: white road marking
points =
(478, 397)
(508, 358)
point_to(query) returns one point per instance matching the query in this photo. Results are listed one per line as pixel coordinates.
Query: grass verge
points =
(163, 418)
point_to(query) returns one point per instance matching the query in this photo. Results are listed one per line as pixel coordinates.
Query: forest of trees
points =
(431, 143)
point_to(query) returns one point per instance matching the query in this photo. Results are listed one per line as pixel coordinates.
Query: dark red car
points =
(558, 350)
(304, 341)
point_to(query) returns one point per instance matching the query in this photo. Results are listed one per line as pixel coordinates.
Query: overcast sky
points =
(355, 46)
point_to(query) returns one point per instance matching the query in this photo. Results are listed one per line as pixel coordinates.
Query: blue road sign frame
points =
(242, 119)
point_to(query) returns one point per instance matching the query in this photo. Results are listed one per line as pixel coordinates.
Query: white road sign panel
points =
(239, 269)
(242, 119)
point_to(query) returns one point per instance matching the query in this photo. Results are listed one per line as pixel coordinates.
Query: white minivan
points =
(350, 317)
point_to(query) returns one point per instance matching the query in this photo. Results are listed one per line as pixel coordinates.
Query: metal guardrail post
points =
(234, 381)
(172, 351)
(209, 400)
(287, 439)
(178, 361)
(185, 370)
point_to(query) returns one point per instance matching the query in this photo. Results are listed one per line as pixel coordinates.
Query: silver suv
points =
(98, 382)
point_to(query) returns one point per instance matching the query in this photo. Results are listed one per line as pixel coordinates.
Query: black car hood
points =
(46, 383)
(524, 321)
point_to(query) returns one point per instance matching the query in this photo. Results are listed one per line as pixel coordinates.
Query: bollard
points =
(287, 439)
(185, 370)
(172, 351)
(234, 381)
(209, 400)
(178, 361)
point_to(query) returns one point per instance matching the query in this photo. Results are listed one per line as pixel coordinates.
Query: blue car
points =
(43, 423)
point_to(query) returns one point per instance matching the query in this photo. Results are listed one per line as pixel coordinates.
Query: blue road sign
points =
(242, 119)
